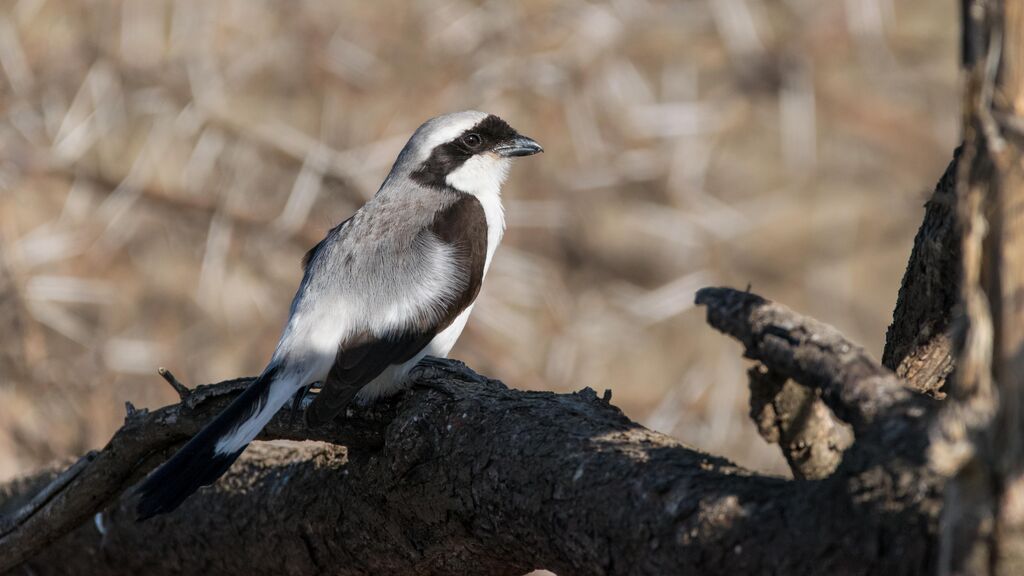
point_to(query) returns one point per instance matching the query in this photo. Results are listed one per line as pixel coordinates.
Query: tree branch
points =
(467, 477)
(144, 441)
(858, 390)
(793, 416)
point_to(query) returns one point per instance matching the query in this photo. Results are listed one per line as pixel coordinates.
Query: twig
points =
(181, 389)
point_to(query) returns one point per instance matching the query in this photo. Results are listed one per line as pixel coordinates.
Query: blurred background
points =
(164, 165)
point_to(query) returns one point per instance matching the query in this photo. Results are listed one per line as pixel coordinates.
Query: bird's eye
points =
(471, 140)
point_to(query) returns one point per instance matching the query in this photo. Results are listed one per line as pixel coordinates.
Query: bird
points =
(393, 283)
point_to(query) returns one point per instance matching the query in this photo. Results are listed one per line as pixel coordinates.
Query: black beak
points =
(519, 146)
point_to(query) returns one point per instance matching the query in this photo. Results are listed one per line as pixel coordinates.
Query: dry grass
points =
(165, 164)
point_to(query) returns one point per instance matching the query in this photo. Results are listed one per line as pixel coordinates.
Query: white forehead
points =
(441, 129)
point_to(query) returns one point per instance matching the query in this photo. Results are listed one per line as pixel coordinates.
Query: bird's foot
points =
(431, 383)
(434, 373)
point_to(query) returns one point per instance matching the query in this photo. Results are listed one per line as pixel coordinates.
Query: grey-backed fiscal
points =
(393, 283)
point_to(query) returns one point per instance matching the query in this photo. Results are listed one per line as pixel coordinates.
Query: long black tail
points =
(212, 451)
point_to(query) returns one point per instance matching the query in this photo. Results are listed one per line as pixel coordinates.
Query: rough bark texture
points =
(811, 438)
(471, 477)
(918, 347)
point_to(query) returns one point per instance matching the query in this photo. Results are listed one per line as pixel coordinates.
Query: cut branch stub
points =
(182, 390)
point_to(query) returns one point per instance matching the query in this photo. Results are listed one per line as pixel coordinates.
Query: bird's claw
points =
(434, 384)
(432, 372)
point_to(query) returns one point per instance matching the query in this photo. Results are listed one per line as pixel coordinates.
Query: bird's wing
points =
(312, 252)
(362, 356)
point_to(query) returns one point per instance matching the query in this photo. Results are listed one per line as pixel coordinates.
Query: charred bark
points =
(918, 346)
(468, 477)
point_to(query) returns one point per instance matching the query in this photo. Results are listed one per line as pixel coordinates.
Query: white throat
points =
(482, 176)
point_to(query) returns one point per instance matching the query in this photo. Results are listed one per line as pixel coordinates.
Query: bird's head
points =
(468, 151)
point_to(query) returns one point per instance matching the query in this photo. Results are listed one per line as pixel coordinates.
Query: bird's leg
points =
(297, 399)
